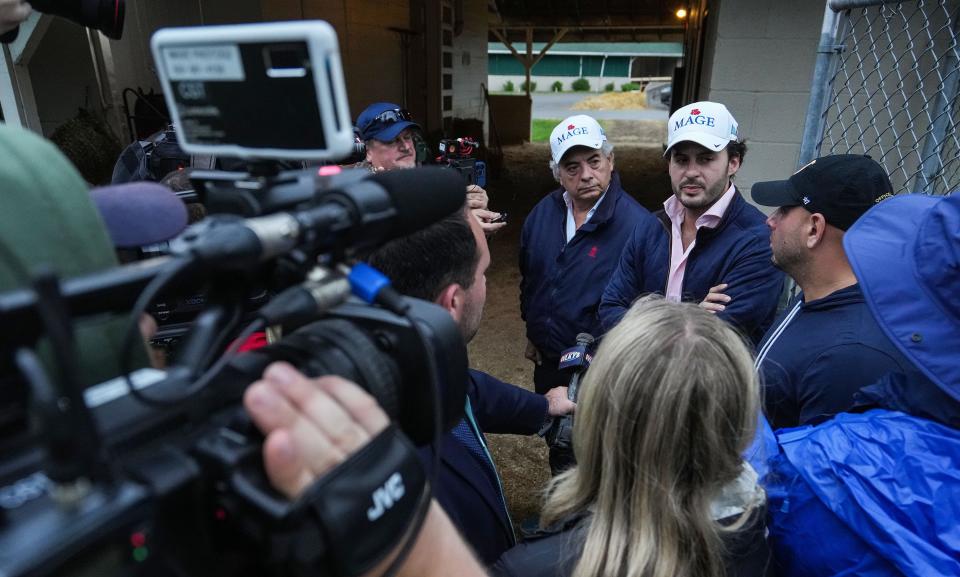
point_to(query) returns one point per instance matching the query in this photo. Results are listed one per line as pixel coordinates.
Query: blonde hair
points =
(666, 410)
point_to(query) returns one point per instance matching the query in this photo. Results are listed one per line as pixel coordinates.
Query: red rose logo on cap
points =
(695, 112)
(571, 127)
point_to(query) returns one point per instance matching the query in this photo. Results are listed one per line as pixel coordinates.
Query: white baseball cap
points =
(577, 130)
(709, 124)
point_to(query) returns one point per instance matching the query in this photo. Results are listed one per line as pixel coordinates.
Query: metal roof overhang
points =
(585, 20)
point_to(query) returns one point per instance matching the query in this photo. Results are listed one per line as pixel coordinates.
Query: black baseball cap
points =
(841, 187)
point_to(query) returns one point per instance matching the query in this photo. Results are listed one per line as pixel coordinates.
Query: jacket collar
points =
(733, 212)
(606, 209)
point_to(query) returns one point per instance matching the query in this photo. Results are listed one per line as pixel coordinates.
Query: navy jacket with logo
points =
(818, 354)
(465, 488)
(736, 252)
(562, 282)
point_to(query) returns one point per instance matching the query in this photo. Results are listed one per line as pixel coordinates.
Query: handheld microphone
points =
(558, 431)
(577, 359)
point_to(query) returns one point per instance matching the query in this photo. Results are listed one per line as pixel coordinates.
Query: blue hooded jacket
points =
(736, 252)
(872, 494)
(562, 282)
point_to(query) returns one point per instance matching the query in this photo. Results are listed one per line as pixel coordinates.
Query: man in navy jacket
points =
(708, 245)
(826, 345)
(446, 263)
(570, 244)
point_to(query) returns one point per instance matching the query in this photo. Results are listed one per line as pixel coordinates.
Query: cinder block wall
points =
(470, 62)
(759, 62)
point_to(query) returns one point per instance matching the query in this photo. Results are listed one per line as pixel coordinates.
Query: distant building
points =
(600, 63)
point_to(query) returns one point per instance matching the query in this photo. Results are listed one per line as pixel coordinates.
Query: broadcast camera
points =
(159, 472)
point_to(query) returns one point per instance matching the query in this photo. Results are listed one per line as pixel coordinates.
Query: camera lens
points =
(337, 347)
(103, 15)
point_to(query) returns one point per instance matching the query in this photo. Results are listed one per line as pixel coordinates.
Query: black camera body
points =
(460, 155)
(184, 489)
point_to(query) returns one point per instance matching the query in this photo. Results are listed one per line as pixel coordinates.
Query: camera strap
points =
(365, 506)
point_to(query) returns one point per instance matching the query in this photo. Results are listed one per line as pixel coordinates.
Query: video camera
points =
(460, 154)
(159, 472)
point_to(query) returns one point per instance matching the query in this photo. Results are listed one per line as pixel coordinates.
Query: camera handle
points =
(345, 523)
(71, 441)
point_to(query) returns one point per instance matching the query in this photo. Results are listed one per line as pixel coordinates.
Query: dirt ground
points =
(498, 347)
(614, 101)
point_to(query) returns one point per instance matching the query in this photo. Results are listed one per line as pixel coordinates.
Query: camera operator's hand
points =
(312, 425)
(486, 219)
(12, 13)
(558, 404)
(533, 353)
(476, 197)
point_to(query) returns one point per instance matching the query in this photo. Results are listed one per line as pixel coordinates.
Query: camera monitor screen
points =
(271, 90)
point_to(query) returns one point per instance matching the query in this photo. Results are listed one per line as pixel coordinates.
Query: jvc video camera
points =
(158, 472)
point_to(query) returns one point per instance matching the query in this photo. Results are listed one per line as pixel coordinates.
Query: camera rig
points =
(460, 154)
(159, 472)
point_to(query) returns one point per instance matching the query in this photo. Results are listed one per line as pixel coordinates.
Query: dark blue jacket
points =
(562, 282)
(464, 488)
(818, 354)
(736, 252)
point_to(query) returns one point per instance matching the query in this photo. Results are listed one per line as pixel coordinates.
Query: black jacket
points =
(554, 552)
(818, 354)
(464, 488)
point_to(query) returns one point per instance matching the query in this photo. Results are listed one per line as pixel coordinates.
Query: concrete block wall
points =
(470, 62)
(759, 62)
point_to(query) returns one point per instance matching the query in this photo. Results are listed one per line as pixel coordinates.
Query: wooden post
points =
(528, 60)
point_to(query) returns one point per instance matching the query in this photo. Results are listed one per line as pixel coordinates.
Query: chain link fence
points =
(886, 84)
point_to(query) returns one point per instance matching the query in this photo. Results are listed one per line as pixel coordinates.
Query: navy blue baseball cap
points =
(384, 121)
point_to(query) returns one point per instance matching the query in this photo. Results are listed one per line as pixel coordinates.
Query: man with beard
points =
(708, 245)
(825, 346)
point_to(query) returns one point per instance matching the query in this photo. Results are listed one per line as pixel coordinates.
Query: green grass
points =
(540, 128)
